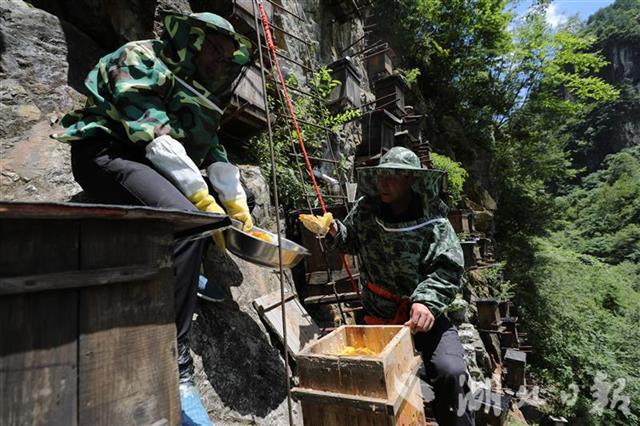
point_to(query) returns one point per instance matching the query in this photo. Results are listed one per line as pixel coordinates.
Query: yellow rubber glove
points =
(319, 225)
(206, 203)
(239, 210)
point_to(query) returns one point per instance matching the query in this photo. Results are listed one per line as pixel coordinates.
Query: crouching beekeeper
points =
(150, 125)
(411, 264)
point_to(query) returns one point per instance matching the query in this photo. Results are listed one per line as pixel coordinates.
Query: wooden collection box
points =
(378, 132)
(347, 94)
(390, 94)
(87, 325)
(378, 389)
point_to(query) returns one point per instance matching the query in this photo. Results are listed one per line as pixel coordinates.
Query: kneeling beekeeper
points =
(411, 263)
(150, 125)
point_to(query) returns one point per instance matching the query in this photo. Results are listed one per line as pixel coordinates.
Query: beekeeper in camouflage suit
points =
(150, 125)
(411, 264)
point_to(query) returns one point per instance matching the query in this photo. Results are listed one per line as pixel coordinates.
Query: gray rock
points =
(253, 179)
(241, 375)
(115, 22)
(476, 358)
(41, 73)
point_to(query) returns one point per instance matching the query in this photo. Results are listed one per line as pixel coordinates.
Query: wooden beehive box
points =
(462, 221)
(390, 94)
(471, 253)
(346, 94)
(488, 313)
(87, 333)
(378, 132)
(515, 362)
(246, 114)
(380, 389)
(380, 63)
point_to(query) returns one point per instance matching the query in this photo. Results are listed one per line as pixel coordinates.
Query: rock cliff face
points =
(615, 127)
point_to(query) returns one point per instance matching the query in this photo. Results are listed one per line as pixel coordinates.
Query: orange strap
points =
(402, 313)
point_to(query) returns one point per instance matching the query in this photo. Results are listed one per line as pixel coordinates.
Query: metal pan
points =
(260, 252)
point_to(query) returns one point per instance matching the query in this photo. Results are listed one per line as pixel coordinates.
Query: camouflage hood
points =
(146, 89)
(184, 37)
(399, 160)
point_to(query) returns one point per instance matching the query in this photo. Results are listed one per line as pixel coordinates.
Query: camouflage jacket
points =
(134, 95)
(421, 259)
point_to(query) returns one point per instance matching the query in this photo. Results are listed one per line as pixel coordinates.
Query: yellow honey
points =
(351, 351)
(262, 235)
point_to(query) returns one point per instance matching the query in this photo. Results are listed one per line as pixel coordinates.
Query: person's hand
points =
(205, 202)
(239, 210)
(333, 229)
(420, 318)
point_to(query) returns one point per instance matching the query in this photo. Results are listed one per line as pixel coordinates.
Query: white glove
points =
(171, 159)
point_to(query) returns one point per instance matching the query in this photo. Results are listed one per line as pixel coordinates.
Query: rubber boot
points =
(210, 291)
(192, 411)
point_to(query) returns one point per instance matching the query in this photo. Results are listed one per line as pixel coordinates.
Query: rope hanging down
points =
(272, 49)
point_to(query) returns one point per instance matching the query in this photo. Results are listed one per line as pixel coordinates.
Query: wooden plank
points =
(401, 363)
(73, 279)
(321, 277)
(329, 408)
(363, 376)
(113, 244)
(331, 298)
(271, 300)
(376, 405)
(301, 328)
(127, 354)
(30, 247)
(38, 359)
(177, 220)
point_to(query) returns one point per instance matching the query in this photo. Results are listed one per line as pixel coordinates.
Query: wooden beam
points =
(73, 279)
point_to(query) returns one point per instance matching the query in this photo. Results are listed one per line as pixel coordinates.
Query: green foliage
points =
(456, 174)
(617, 22)
(582, 316)
(411, 76)
(602, 216)
(551, 78)
(293, 180)
(499, 287)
